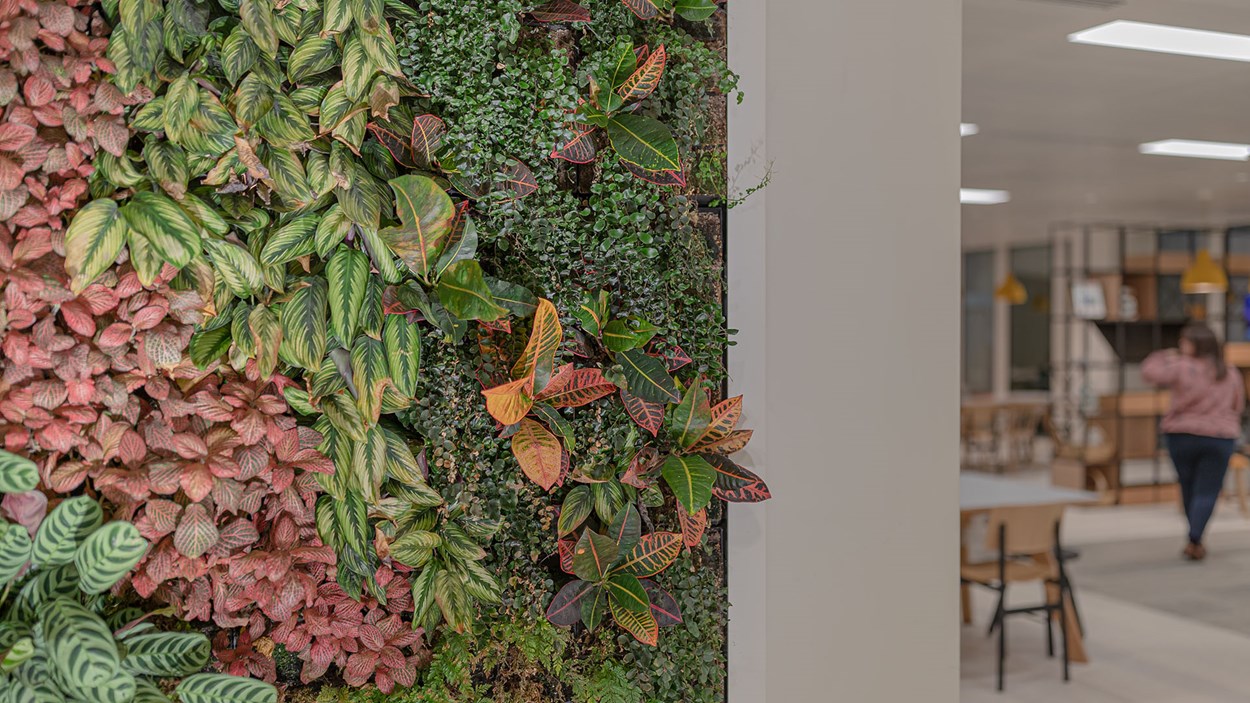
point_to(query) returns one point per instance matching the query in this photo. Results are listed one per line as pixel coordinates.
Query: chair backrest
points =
(1029, 529)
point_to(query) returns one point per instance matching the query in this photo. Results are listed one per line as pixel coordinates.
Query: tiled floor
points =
(1137, 654)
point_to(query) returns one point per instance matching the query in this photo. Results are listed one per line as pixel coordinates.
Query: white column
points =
(844, 284)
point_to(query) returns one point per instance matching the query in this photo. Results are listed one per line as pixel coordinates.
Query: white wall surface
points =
(844, 284)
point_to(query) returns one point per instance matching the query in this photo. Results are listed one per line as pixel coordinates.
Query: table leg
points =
(965, 602)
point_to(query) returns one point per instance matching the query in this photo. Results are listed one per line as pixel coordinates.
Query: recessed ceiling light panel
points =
(1166, 39)
(982, 196)
(1197, 149)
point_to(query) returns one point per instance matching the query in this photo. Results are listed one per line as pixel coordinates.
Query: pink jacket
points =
(1201, 404)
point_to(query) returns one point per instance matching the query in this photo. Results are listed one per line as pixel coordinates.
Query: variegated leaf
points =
(653, 553)
(734, 483)
(691, 479)
(538, 452)
(95, 237)
(303, 323)
(402, 340)
(537, 362)
(644, 80)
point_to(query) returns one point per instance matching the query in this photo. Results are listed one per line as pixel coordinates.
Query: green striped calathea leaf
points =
(170, 231)
(577, 506)
(459, 545)
(166, 653)
(691, 479)
(647, 377)
(144, 257)
(423, 593)
(453, 601)
(238, 54)
(644, 142)
(303, 322)
(291, 241)
(64, 529)
(402, 340)
(267, 333)
(95, 237)
(14, 551)
(106, 556)
(479, 582)
(463, 292)
(371, 374)
(427, 215)
(220, 688)
(80, 646)
(258, 21)
(17, 473)
(236, 267)
(44, 587)
(358, 68)
(313, 55)
(347, 273)
(414, 548)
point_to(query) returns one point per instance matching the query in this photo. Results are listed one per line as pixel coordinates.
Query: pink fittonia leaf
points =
(163, 347)
(196, 533)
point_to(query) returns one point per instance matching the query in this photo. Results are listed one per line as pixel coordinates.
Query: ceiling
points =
(1060, 122)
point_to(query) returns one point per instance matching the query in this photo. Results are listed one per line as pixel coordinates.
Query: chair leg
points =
(1063, 628)
(1002, 643)
(1050, 635)
(998, 616)
(1076, 612)
(1239, 482)
(965, 603)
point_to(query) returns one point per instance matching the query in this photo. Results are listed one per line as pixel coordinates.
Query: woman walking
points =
(1203, 424)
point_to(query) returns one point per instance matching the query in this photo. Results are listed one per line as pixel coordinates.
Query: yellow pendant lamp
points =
(1203, 276)
(1012, 290)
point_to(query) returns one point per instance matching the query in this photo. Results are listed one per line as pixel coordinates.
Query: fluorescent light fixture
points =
(981, 196)
(967, 129)
(1197, 149)
(1166, 39)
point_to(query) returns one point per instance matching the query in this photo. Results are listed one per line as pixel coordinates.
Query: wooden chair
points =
(1026, 541)
(1237, 466)
(1085, 466)
(978, 433)
(1022, 421)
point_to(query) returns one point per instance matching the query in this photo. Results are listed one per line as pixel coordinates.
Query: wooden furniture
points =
(1133, 418)
(998, 435)
(982, 493)
(1238, 465)
(1082, 466)
(1096, 381)
(1027, 543)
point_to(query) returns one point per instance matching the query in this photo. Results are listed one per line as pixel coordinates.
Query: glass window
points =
(978, 341)
(1030, 322)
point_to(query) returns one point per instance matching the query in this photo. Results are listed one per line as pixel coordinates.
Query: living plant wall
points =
(363, 350)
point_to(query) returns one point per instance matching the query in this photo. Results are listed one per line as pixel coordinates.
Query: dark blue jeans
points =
(1201, 463)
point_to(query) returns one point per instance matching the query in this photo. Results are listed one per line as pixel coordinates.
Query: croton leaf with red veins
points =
(518, 180)
(648, 415)
(580, 149)
(560, 11)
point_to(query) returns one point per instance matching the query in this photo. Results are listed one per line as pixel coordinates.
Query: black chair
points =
(1027, 543)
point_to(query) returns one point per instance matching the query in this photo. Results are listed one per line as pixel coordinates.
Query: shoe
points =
(1195, 552)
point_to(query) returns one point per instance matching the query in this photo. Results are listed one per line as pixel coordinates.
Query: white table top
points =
(984, 492)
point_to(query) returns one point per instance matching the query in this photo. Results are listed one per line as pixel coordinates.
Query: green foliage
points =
(61, 641)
